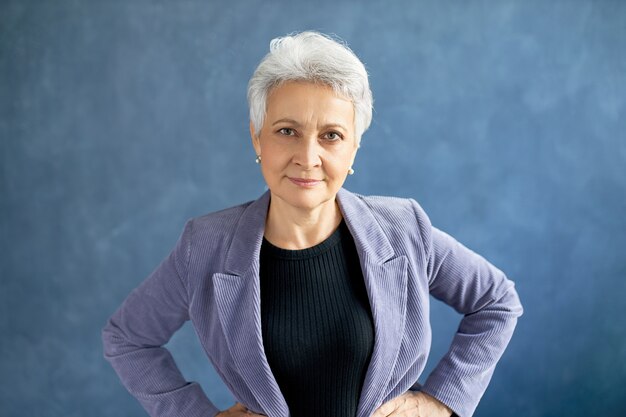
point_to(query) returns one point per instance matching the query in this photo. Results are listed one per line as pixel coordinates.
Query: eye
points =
(333, 136)
(286, 131)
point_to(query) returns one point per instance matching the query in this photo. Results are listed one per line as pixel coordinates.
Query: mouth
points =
(304, 182)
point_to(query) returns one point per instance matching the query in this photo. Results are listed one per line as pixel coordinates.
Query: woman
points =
(312, 300)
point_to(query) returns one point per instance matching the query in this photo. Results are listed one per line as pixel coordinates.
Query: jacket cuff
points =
(454, 397)
(187, 401)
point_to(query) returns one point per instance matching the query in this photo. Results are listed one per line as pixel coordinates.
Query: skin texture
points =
(410, 404)
(413, 404)
(316, 142)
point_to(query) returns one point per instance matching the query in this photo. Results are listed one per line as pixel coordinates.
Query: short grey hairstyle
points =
(312, 57)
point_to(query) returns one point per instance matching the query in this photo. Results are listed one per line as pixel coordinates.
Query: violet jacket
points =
(211, 277)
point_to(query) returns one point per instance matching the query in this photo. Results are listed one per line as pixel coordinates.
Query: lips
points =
(305, 182)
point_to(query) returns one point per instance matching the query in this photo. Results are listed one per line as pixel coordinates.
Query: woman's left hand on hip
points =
(413, 404)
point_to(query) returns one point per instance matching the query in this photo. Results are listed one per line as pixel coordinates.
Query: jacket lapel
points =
(238, 302)
(237, 295)
(385, 278)
(238, 299)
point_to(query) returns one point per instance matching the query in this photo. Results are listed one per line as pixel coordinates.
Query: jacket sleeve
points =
(134, 336)
(490, 306)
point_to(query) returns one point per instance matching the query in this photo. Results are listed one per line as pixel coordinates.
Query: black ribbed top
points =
(317, 325)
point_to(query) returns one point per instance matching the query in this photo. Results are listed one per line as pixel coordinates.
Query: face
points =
(307, 144)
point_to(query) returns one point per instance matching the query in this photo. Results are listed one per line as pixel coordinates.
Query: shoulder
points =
(402, 220)
(380, 201)
(393, 207)
(207, 236)
(217, 222)
(224, 216)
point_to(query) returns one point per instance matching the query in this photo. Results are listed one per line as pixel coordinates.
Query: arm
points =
(134, 336)
(482, 293)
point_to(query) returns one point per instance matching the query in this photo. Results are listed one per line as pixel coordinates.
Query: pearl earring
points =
(258, 159)
(350, 171)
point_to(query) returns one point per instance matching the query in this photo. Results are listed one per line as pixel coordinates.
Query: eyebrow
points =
(298, 124)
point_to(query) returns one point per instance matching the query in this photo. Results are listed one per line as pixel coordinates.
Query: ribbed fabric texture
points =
(212, 276)
(317, 326)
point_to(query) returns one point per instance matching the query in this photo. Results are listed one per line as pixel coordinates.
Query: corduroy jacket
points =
(211, 277)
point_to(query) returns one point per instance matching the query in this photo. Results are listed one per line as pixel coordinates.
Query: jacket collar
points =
(237, 297)
(369, 238)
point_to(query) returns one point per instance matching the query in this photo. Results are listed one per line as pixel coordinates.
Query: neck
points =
(291, 227)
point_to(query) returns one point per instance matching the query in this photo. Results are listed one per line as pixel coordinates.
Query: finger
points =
(386, 409)
(239, 408)
(244, 410)
(407, 405)
(407, 411)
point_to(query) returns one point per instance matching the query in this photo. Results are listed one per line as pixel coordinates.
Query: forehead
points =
(304, 101)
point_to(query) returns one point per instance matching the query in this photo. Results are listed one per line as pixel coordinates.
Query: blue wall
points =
(121, 119)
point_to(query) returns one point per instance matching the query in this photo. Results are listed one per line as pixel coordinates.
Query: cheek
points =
(340, 163)
(275, 161)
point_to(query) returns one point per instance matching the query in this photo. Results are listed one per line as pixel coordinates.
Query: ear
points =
(255, 139)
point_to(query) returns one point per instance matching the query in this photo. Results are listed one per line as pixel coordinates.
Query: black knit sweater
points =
(317, 326)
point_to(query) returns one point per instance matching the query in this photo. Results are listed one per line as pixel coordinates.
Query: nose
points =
(307, 154)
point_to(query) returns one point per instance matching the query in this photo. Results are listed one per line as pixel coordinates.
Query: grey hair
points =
(313, 57)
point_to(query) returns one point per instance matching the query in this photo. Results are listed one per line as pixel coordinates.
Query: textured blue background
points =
(121, 119)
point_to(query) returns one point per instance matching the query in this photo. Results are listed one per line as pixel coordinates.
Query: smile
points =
(304, 182)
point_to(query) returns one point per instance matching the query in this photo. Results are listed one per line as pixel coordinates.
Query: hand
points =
(413, 404)
(238, 410)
